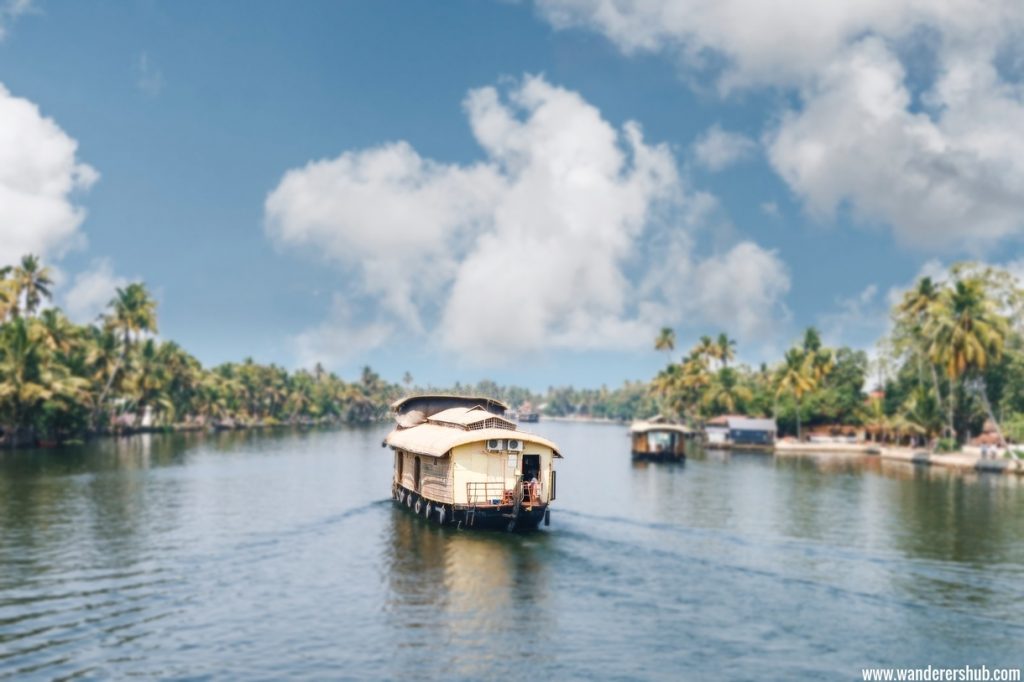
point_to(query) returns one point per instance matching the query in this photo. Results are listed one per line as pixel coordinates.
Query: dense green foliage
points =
(951, 368)
(60, 380)
(812, 384)
(952, 365)
(957, 348)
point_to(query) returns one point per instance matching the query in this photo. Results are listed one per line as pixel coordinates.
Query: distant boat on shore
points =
(461, 461)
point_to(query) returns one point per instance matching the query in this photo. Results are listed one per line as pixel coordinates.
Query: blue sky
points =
(483, 208)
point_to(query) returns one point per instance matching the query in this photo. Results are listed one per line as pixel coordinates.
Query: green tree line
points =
(951, 367)
(952, 363)
(60, 380)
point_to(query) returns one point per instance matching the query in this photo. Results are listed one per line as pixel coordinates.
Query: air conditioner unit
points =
(515, 445)
(495, 445)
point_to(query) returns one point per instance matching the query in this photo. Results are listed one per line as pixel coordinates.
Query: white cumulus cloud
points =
(741, 289)
(910, 112)
(718, 149)
(751, 42)
(387, 212)
(91, 291)
(542, 245)
(951, 179)
(39, 176)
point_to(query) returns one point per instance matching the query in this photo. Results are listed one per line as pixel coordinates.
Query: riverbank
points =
(969, 459)
(584, 420)
(31, 441)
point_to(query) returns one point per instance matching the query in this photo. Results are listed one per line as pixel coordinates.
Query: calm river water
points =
(245, 556)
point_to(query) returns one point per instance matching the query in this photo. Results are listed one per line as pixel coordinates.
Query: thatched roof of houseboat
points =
(647, 426)
(430, 404)
(434, 440)
(471, 419)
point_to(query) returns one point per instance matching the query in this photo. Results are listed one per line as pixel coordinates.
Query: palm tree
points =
(872, 415)
(967, 330)
(918, 300)
(147, 384)
(812, 340)
(32, 283)
(666, 387)
(967, 333)
(8, 294)
(726, 349)
(921, 412)
(666, 341)
(28, 377)
(799, 377)
(58, 329)
(22, 385)
(912, 315)
(133, 312)
(680, 385)
(819, 359)
(103, 362)
(183, 377)
(725, 392)
(706, 347)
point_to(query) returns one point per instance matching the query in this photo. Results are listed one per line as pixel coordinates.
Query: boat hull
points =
(658, 456)
(500, 518)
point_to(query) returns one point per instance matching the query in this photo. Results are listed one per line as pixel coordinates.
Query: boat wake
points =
(792, 564)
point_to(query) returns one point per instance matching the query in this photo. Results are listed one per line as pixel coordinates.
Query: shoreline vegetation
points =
(62, 382)
(948, 377)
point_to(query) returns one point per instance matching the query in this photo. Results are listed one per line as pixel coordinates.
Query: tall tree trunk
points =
(938, 395)
(949, 409)
(798, 435)
(106, 390)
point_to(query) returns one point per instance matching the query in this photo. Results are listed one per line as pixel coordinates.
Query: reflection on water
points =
(273, 555)
(478, 596)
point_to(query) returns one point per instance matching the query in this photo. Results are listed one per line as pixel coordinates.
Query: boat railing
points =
(495, 494)
(486, 494)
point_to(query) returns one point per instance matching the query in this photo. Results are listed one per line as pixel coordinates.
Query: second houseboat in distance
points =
(460, 461)
(659, 440)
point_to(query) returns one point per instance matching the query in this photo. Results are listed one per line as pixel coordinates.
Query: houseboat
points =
(528, 415)
(737, 432)
(461, 461)
(659, 440)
